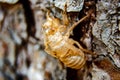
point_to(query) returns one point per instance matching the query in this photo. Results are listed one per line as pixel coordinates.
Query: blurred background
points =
(22, 55)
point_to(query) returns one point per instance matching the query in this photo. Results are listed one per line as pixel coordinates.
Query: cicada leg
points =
(75, 24)
(49, 51)
(64, 16)
(81, 48)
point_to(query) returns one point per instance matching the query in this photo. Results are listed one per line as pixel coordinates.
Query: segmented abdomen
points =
(70, 55)
(74, 60)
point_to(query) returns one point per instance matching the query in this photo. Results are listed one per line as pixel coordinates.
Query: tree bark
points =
(22, 55)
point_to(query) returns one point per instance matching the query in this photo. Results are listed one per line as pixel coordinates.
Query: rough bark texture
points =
(22, 55)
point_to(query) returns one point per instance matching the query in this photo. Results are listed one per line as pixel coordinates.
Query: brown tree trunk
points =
(22, 55)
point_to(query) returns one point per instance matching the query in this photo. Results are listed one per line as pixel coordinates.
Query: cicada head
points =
(52, 24)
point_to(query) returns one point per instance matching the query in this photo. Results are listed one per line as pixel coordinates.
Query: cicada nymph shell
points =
(59, 45)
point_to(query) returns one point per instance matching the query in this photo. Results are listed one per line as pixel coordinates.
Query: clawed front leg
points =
(49, 51)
